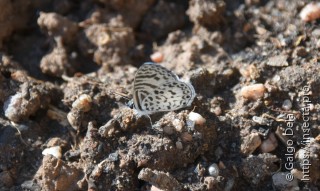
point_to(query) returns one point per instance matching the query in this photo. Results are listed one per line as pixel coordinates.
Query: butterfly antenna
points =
(121, 95)
(150, 120)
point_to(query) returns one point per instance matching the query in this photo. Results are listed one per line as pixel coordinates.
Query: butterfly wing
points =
(158, 89)
(169, 97)
(152, 74)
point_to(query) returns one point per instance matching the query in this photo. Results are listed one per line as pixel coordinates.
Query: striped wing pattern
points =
(157, 89)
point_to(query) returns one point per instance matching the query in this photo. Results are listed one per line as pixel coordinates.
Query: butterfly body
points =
(157, 89)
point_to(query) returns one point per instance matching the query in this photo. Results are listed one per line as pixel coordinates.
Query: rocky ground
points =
(254, 124)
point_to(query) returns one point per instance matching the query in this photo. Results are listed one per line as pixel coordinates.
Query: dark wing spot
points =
(172, 92)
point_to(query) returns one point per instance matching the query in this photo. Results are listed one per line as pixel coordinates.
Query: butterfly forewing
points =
(158, 89)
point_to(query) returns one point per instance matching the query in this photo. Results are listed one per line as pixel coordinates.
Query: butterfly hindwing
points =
(158, 89)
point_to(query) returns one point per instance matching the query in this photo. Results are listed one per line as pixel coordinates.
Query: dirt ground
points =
(253, 125)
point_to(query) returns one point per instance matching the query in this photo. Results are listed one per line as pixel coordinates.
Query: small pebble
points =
(297, 173)
(19, 76)
(217, 110)
(178, 124)
(261, 120)
(55, 151)
(153, 188)
(157, 57)
(213, 170)
(73, 119)
(250, 143)
(12, 106)
(83, 103)
(56, 141)
(281, 182)
(311, 106)
(317, 138)
(221, 165)
(168, 130)
(269, 144)
(318, 43)
(278, 61)
(210, 182)
(276, 79)
(179, 145)
(310, 12)
(244, 72)
(103, 39)
(253, 71)
(196, 118)
(300, 154)
(186, 137)
(253, 92)
(287, 104)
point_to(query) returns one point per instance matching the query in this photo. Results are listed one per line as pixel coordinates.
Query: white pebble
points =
(12, 106)
(310, 12)
(260, 120)
(269, 144)
(300, 155)
(55, 151)
(311, 106)
(276, 79)
(196, 118)
(253, 92)
(178, 124)
(83, 103)
(287, 105)
(213, 170)
(72, 118)
(154, 188)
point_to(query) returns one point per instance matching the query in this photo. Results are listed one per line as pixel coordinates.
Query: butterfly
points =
(157, 89)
